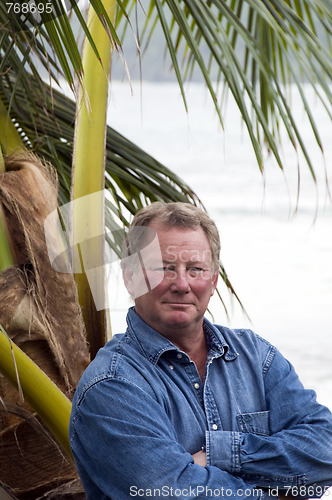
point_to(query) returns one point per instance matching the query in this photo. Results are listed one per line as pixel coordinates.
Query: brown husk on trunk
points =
(40, 313)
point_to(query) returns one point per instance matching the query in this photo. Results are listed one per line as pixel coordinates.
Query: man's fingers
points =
(200, 458)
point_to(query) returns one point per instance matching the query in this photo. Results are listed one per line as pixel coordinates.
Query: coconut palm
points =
(250, 50)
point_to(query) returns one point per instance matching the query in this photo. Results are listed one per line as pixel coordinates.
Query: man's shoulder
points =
(246, 342)
(242, 335)
(119, 359)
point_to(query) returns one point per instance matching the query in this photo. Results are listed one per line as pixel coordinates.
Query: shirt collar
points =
(153, 344)
(217, 344)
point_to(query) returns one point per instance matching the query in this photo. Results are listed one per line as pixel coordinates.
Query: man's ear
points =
(128, 279)
(215, 277)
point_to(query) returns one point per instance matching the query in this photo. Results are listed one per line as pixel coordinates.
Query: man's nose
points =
(181, 281)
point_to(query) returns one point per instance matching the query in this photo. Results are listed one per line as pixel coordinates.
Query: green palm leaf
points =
(255, 49)
(132, 176)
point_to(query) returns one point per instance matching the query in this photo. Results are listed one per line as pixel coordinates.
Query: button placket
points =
(191, 370)
(211, 410)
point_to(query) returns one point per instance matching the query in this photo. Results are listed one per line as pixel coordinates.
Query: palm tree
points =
(252, 50)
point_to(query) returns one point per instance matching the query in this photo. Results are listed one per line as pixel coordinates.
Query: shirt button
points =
(171, 367)
(196, 385)
(214, 427)
(179, 355)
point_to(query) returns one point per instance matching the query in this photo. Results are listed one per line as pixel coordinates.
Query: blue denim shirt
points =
(140, 411)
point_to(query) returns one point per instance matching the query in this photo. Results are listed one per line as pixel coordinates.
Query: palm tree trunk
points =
(40, 314)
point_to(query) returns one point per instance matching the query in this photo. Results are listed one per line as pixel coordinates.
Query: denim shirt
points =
(140, 411)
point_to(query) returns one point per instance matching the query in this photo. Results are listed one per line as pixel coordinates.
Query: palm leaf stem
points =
(44, 396)
(6, 252)
(89, 172)
(10, 139)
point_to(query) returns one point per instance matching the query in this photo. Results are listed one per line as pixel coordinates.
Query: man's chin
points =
(179, 317)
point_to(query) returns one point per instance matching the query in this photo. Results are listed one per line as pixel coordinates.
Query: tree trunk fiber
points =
(40, 313)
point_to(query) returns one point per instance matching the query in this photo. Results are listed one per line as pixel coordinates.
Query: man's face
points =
(180, 285)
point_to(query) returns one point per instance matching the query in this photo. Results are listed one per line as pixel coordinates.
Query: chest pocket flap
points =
(256, 422)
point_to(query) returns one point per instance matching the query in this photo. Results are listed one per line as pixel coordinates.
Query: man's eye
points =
(163, 269)
(195, 270)
(169, 267)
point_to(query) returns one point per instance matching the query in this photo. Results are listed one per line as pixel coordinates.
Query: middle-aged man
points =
(177, 407)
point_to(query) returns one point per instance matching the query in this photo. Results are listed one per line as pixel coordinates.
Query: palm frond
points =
(133, 177)
(254, 50)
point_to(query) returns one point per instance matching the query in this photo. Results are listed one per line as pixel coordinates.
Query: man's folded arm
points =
(123, 441)
(299, 448)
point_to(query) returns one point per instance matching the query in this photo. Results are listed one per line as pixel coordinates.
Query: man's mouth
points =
(178, 304)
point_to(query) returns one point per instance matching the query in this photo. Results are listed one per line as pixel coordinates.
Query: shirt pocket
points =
(256, 422)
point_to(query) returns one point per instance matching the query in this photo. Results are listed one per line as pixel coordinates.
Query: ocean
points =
(276, 247)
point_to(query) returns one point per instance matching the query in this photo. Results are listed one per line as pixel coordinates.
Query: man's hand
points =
(200, 458)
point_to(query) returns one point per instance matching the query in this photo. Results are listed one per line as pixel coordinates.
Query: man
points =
(178, 407)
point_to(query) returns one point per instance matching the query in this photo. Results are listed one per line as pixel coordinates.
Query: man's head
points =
(174, 255)
(180, 215)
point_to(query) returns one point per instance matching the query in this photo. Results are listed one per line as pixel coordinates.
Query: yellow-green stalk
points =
(10, 139)
(44, 396)
(6, 253)
(6, 259)
(2, 162)
(89, 166)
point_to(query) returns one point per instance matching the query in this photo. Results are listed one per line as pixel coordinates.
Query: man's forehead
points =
(183, 243)
(171, 252)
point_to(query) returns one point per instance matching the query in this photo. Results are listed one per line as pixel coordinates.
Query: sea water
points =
(276, 247)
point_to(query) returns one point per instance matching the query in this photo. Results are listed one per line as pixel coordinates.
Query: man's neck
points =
(196, 348)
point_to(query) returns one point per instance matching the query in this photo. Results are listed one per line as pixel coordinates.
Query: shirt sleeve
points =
(125, 445)
(298, 450)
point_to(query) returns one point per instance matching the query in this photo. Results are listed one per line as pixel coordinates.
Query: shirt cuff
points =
(223, 450)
